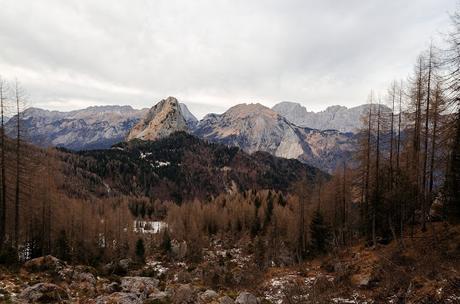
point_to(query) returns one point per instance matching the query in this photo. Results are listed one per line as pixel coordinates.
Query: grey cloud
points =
(213, 53)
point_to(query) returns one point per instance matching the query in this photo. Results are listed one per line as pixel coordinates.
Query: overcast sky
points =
(212, 54)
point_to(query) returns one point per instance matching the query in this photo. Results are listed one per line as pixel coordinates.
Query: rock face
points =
(338, 118)
(91, 128)
(254, 127)
(190, 119)
(162, 120)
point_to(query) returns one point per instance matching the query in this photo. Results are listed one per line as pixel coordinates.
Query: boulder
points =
(179, 249)
(208, 296)
(120, 267)
(125, 264)
(44, 293)
(119, 298)
(246, 298)
(44, 263)
(111, 287)
(226, 300)
(159, 297)
(184, 294)
(363, 280)
(139, 285)
(77, 274)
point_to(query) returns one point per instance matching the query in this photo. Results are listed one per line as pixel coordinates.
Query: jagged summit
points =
(161, 120)
(335, 117)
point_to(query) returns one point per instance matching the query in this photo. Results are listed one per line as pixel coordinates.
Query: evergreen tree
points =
(62, 246)
(320, 233)
(140, 250)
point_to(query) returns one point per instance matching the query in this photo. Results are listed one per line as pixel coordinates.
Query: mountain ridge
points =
(334, 117)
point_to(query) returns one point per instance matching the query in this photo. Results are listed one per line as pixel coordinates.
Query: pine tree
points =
(320, 232)
(140, 250)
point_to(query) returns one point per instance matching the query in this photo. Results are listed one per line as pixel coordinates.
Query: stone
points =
(111, 287)
(44, 293)
(125, 264)
(246, 298)
(208, 296)
(119, 298)
(226, 300)
(184, 294)
(139, 285)
(179, 249)
(44, 263)
(159, 297)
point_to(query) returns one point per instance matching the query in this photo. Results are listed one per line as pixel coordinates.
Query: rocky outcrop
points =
(162, 120)
(43, 293)
(254, 127)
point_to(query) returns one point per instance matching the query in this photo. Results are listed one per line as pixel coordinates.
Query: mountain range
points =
(338, 118)
(283, 131)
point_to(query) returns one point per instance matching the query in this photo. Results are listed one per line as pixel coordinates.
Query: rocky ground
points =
(422, 269)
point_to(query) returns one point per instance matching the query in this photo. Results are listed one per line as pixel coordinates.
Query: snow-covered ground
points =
(153, 227)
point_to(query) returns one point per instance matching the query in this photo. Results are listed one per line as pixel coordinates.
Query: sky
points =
(212, 54)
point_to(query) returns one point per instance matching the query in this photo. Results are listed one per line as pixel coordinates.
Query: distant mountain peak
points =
(161, 120)
(334, 117)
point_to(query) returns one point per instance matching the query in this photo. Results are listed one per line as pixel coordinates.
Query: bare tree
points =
(3, 163)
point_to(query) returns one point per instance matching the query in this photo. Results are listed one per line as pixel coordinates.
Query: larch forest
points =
(169, 217)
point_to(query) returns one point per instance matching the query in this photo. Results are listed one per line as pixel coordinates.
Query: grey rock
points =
(338, 118)
(246, 298)
(254, 127)
(208, 295)
(190, 119)
(119, 298)
(125, 264)
(44, 293)
(91, 128)
(161, 120)
(139, 285)
(159, 297)
(179, 249)
(184, 294)
(44, 263)
(226, 300)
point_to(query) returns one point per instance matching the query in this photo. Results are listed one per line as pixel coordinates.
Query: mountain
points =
(335, 117)
(179, 167)
(161, 120)
(254, 127)
(189, 117)
(96, 127)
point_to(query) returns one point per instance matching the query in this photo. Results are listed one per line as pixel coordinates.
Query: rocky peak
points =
(161, 120)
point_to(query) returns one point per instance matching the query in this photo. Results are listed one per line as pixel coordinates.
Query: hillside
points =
(183, 167)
